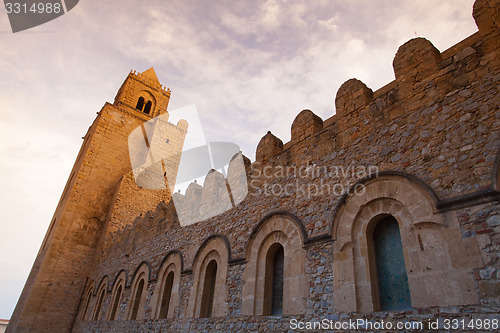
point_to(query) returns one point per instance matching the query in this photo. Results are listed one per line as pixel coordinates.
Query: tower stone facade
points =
(100, 196)
(413, 167)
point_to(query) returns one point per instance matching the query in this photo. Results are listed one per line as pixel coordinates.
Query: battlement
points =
(427, 84)
(149, 81)
(421, 72)
(219, 193)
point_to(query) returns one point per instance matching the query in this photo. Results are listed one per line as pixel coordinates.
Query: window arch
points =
(388, 264)
(273, 288)
(207, 294)
(116, 302)
(86, 302)
(101, 292)
(139, 292)
(140, 103)
(117, 292)
(275, 269)
(210, 272)
(166, 292)
(439, 262)
(100, 299)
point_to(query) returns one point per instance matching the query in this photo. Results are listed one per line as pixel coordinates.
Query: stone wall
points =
(424, 149)
(50, 298)
(128, 196)
(431, 320)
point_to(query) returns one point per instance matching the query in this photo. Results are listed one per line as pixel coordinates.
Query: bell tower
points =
(50, 298)
(144, 93)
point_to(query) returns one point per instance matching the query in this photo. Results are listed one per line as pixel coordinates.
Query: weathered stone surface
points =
(305, 124)
(415, 59)
(422, 149)
(493, 221)
(268, 147)
(352, 95)
(487, 15)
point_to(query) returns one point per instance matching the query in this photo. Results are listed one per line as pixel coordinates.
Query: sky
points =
(248, 67)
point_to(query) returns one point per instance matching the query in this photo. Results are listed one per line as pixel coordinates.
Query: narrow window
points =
(147, 109)
(137, 300)
(165, 299)
(273, 283)
(116, 301)
(140, 104)
(207, 298)
(278, 266)
(99, 304)
(394, 293)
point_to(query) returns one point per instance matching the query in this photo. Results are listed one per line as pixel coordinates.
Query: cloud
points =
(35, 163)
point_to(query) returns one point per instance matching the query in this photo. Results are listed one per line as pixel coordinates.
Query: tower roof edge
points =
(150, 74)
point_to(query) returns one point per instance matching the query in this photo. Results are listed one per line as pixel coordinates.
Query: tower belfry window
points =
(140, 104)
(147, 108)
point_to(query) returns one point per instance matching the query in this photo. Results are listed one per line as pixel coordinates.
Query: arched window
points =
(165, 295)
(274, 280)
(273, 286)
(138, 292)
(140, 104)
(115, 303)
(147, 109)
(393, 289)
(207, 298)
(426, 237)
(87, 303)
(137, 300)
(167, 292)
(99, 304)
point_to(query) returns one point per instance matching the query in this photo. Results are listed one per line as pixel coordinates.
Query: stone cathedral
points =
(389, 209)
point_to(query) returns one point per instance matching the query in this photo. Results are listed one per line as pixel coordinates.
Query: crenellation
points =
(238, 179)
(415, 60)
(214, 195)
(269, 146)
(486, 13)
(351, 96)
(433, 77)
(305, 124)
